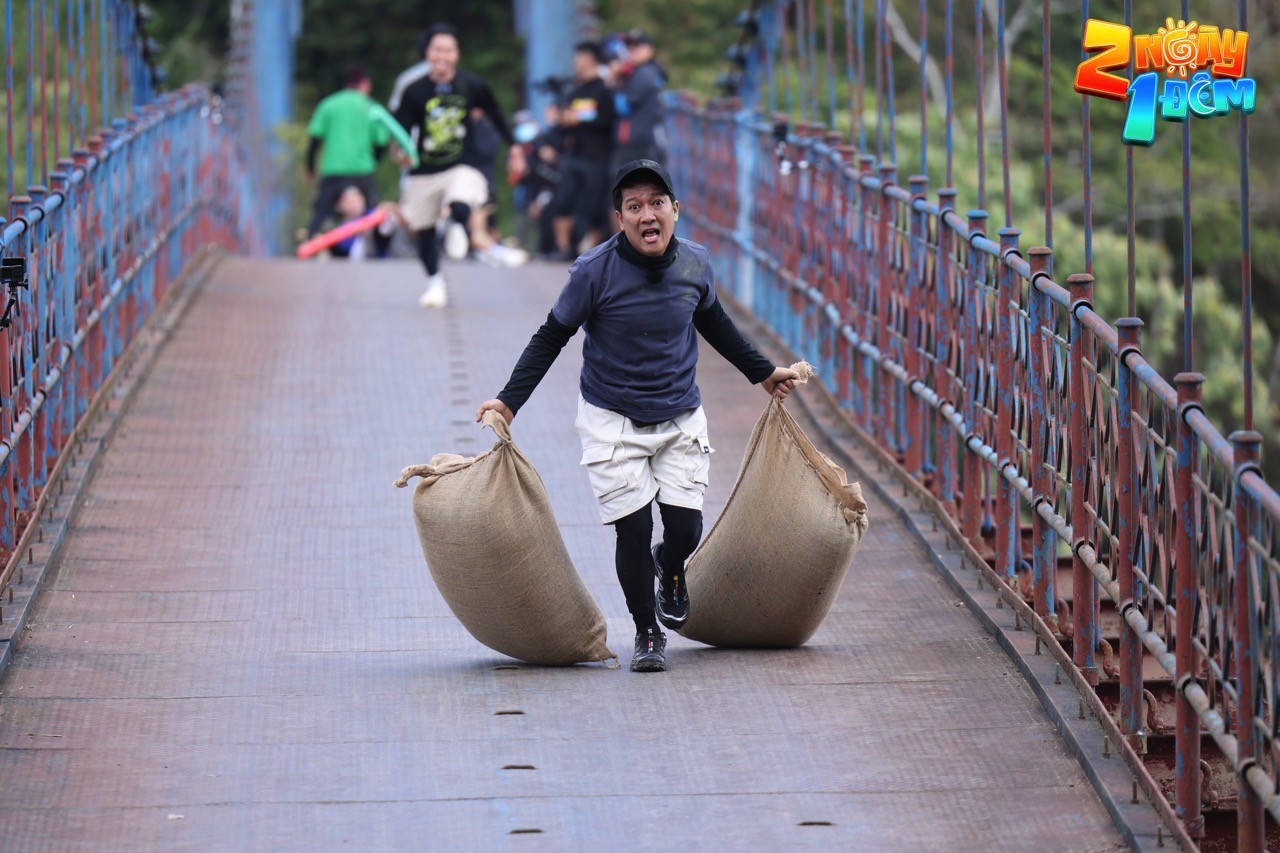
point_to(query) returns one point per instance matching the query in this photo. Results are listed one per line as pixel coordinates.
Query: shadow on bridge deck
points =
(240, 645)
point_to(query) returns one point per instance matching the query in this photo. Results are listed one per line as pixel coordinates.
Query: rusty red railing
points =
(1137, 539)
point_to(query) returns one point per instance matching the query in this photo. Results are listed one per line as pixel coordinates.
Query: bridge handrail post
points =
(8, 471)
(913, 328)
(944, 289)
(21, 388)
(1008, 518)
(1187, 660)
(970, 289)
(1129, 334)
(868, 376)
(1044, 539)
(1250, 831)
(887, 425)
(843, 287)
(1084, 604)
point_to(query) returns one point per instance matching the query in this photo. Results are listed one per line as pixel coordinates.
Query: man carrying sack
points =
(640, 296)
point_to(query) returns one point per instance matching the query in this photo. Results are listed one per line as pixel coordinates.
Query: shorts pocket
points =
(608, 478)
(698, 459)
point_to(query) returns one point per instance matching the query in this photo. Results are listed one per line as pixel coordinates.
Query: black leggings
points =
(681, 530)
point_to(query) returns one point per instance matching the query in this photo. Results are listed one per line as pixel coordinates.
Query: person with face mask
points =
(642, 297)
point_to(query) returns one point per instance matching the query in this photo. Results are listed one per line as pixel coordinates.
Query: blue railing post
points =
(1008, 517)
(1127, 532)
(1187, 761)
(886, 414)
(1250, 829)
(970, 291)
(1044, 540)
(914, 328)
(1083, 586)
(943, 354)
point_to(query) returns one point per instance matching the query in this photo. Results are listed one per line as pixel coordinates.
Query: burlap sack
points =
(495, 552)
(769, 570)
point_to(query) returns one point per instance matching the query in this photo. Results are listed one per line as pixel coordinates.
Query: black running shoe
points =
(651, 647)
(673, 596)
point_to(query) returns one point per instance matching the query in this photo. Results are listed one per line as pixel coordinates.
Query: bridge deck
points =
(241, 646)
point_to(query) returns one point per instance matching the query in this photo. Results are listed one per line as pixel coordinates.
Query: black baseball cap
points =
(637, 36)
(649, 169)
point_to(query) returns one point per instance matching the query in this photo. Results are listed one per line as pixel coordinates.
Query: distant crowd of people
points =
(444, 127)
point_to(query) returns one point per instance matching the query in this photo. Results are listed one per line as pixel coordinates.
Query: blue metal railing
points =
(133, 189)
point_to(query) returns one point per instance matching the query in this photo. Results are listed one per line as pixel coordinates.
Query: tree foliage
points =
(804, 86)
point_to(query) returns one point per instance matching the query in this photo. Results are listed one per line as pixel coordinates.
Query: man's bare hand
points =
(780, 382)
(401, 158)
(495, 406)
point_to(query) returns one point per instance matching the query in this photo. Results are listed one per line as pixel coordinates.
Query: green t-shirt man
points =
(345, 125)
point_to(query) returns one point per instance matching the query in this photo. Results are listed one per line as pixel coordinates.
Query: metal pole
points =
(1188, 660)
(1083, 585)
(1127, 531)
(1250, 829)
(1008, 526)
(913, 328)
(885, 430)
(1044, 541)
(970, 296)
(942, 344)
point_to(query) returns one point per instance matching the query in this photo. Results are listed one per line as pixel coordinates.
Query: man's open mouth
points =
(650, 235)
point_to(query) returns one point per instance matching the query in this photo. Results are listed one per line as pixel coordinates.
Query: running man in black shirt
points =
(438, 108)
(582, 197)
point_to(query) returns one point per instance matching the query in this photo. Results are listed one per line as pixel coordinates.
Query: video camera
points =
(557, 87)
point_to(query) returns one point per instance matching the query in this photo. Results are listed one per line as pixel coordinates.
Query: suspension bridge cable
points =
(31, 94)
(889, 89)
(1046, 108)
(831, 68)
(862, 83)
(1188, 286)
(1087, 158)
(1003, 72)
(1246, 251)
(950, 60)
(980, 66)
(811, 18)
(1130, 215)
(803, 54)
(786, 55)
(879, 81)
(924, 90)
(855, 119)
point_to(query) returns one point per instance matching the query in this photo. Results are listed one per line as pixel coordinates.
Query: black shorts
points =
(583, 191)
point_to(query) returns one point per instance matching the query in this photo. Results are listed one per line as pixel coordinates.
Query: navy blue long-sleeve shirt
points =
(641, 317)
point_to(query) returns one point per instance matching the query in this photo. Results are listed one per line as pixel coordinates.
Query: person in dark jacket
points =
(587, 118)
(643, 296)
(639, 132)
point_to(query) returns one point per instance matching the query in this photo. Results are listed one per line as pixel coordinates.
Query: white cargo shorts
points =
(629, 465)
(424, 198)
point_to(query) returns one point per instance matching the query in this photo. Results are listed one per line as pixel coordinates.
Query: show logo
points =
(1204, 68)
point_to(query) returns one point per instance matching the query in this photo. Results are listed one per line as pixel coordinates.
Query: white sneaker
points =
(456, 242)
(507, 256)
(435, 296)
